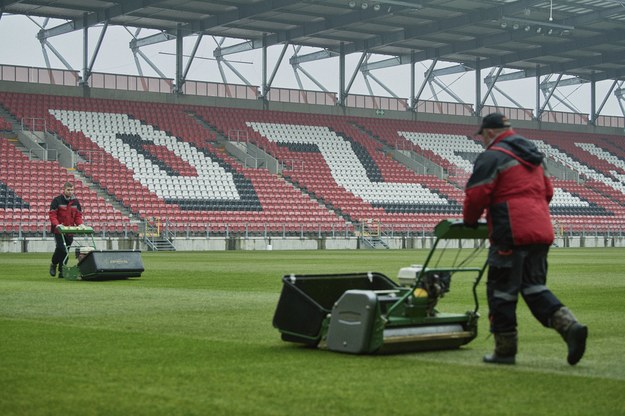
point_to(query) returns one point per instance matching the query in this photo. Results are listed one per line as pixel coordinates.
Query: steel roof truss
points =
(605, 99)
(89, 68)
(428, 74)
(445, 88)
(363, 56)
(548, 97)
(490, 87)
(278, 63)
(99, 16)
(192, 57)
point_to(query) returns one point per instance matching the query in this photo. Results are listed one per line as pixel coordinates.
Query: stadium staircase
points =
(156, 239)
(373, 243)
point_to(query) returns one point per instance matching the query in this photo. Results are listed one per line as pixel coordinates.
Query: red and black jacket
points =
(64, 211)
(510, 182)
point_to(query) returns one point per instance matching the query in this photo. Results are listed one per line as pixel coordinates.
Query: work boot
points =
(505, 349)
(52, 269)
(60, 271)
(573, 333)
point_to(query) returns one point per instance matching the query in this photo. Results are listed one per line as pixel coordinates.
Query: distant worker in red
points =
(510, 183)
(65, 210)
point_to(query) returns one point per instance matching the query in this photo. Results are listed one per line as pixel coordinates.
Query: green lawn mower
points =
(96, 265)
(368, 313)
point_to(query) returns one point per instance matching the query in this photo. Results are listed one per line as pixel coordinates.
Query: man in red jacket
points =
(510, 183)
(65, 209)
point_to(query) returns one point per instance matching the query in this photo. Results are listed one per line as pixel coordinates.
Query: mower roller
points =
(369, 313)
(92, 264)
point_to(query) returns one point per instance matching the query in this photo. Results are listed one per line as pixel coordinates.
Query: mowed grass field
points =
(194, 336)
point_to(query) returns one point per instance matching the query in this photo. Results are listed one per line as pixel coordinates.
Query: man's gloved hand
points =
(473, 226)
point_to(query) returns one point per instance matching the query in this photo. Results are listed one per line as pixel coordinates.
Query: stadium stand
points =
(28, 186)
(168, 161)
(183, 179)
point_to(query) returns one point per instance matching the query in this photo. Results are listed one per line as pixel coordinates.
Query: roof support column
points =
(192, 57)
(267, 84)
(87, 74)
(264, 88)
(342, 92)
(619, 96)
(492, 80)
(548, 96)
(428, 74)
(85, 53)
(478, 88)
(605, 99)
(413, 83)
(179, 51)
(593, 101)
(537, 109)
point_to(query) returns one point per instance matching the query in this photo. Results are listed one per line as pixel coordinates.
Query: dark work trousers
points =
(521, 270)
(61, 251)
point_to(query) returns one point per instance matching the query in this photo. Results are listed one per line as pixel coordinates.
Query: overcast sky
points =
(19, 46)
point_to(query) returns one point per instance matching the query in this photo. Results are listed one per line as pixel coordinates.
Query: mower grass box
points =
(307, 300)
(110, 265)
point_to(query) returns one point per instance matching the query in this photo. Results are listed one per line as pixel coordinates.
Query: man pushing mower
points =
(511, 184)
(65, 210)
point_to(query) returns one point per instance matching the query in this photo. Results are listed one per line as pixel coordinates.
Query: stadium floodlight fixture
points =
(540, 27)
(517, 21)
(409, 4)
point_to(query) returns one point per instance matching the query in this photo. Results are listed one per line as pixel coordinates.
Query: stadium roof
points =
(579, 38)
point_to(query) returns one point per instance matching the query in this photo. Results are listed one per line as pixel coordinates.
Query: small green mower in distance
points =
(92, 264)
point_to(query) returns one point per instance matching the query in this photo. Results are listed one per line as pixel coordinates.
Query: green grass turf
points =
(193, 336)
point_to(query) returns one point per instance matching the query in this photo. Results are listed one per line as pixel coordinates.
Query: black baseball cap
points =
(494, 121)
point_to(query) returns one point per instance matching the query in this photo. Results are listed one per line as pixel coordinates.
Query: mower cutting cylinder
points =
(360, 324)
